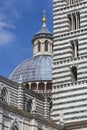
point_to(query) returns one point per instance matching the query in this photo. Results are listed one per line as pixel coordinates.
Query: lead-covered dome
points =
(35, 69)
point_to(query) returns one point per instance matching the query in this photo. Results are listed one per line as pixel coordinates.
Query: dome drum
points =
(36, 86)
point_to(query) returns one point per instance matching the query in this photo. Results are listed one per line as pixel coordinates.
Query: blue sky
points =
(19, 21)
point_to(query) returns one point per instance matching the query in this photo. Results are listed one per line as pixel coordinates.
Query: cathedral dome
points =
(38, 68)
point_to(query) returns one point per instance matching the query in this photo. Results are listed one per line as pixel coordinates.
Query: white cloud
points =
(6, 37)
(6, 25)
(6, 34)
(10, 12)
(16, 14)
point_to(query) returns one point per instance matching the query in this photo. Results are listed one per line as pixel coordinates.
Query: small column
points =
(75, 47)
(29, 85)
(72, 22)
(76, 15)
(46, 108)
(37, 85)
(45, 85)
(50, 47)
(20, 94)
(78, 20)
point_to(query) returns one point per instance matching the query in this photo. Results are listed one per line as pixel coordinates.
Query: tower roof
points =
(44, 28)
(44, 32)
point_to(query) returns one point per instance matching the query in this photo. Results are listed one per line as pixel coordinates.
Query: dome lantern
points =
(43, 40)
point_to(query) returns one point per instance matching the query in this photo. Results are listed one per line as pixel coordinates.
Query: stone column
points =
(46, 108)
(76, 20)
(37, 85)
(75, 48)
(30, 86)
(20, 94)
(72, 22)
(45, 86)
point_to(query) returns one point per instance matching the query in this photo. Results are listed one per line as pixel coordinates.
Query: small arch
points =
(15, 125)
(74, 73)
(46, 45)
(49, 86)
(4, 95)
(50, 107)
(27, 86)
(33, 86)
(15, 128)
(29, 105)
(41, 86)
(39, 46)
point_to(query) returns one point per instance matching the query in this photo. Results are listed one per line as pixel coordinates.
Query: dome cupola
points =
(43, 40)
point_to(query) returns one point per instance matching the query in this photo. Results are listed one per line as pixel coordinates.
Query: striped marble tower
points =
(69, 60)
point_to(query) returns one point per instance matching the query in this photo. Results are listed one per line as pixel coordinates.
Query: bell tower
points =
(69, 60)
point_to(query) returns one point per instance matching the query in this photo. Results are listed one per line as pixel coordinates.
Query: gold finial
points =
(44, 17)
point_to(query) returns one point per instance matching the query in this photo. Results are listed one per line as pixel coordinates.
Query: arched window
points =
(15, 125)
(50, 108)
(46, 45)
(27, 86)
(15, 128)
(29, 105)
(41, 86)
(74, 47)
(39, 46)
(4, 95)
(74, 21)
(49, 86)
(33, 86)
(74, 73)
